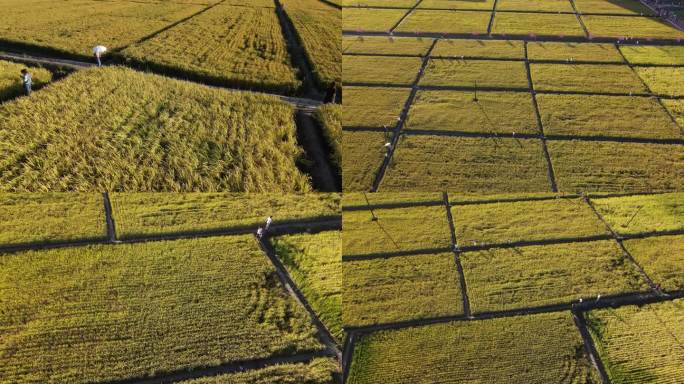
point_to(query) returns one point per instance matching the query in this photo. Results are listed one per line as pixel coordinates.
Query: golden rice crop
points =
(10, 82)
(119, 130)
(232, 45)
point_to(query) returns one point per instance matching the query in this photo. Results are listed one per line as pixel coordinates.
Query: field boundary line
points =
(310, 85)
(530, 11)
(491, 19)
(579, 19)
(312, 225)
(589, 346)
(409, 204)
(109, 217)
(521, 37)
(324, 334)
(166, 28)
(402, 119)
(660, 101)
(299, 103)
(324, 176)
(524, 136)
(348, 355)
(408, 12)
(625, 252)
(609, 301)
(227, 368)
(507, 89)
(330, 3)
(465, 301)
(512, 244)
(512, 59)
(549, 164)
(387, 255)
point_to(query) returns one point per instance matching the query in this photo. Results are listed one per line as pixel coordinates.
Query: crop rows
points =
(83, 313)
(514, 254)
(397, 305)
(329, 116)
(640, 344)
(231, 45)
(314, 263)
(73, 28)
(583, 103)
(584, 19)
(142, 132)
(316, 372)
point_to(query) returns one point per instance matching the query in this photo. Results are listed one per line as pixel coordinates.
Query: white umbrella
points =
(100, 49)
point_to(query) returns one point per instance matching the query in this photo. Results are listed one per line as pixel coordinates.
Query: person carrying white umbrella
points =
(98, 51)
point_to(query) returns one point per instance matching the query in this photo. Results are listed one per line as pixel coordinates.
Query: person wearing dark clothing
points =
(27, 81)
(331, 94)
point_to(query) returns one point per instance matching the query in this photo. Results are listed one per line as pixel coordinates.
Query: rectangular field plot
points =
(359, 199)
(379, 45)
(318, 371)
(114, 312)
(640, 344)
(400, 288)
(396, 229)
(628, 26)
(525, 220)
(554, 51)
(629, 7)
(536, 349)
(639, 214)
(539, 24)
(318, 26)
(473, 165)
(445, 22)
(362, 155)
(614, 116)
(662, 258)
(604, 78)
(500, 112)
(34, 218)
(676, 109)
(380, 70)
(11, 84)
(500, 49)
(655, 54)
(512, 278)
(617, 167)
(75, 27)
(475, 73)
(483, 5)
(149, 214)
(373, 107)
(315, 263)
(226, 45)
(663, 80)
(376, 20)
(534, 5)
(144, 132)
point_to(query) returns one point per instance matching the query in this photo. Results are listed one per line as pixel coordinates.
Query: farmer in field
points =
(27, 81)
(269, 220)
(98, 51)
(260, 233)
(330, 94)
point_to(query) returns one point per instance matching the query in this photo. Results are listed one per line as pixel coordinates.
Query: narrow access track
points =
(299, 103)
(324, 177)
(309, 225)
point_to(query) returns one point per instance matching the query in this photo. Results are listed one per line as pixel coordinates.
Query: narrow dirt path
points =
(325, 177)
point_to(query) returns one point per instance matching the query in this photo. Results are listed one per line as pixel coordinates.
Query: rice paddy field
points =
(582, 87)
(128, 125)
(531, 288)
(93, 309)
